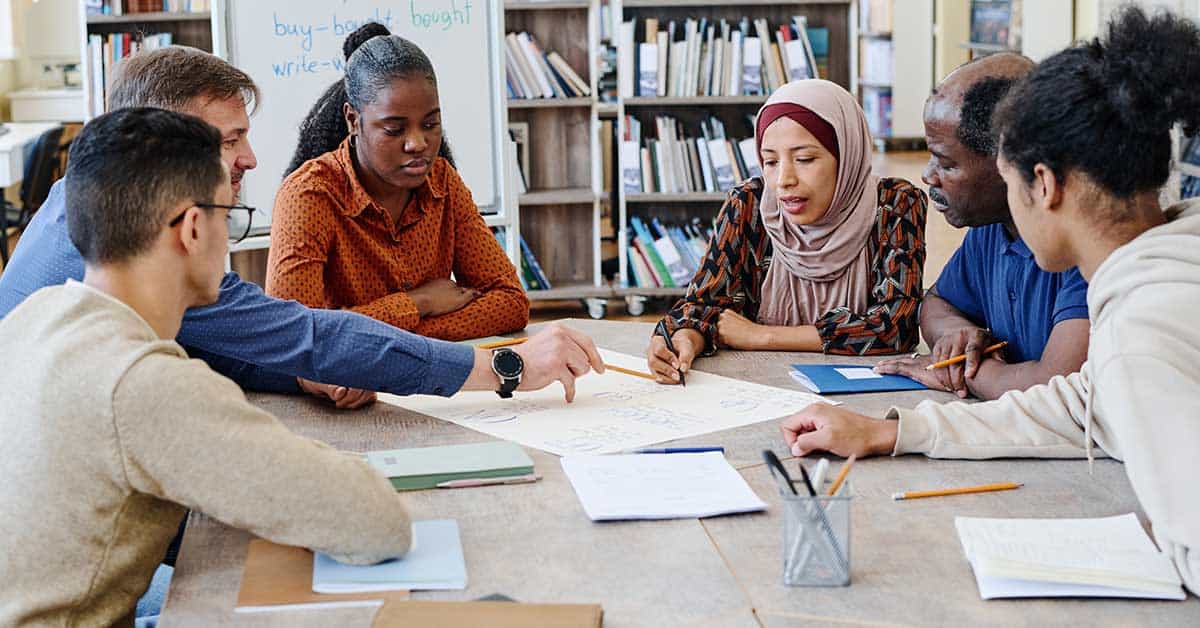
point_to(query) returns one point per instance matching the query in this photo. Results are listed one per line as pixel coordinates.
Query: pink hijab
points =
(825, 265)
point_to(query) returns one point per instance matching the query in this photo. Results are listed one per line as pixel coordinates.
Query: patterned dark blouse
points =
(739, 254)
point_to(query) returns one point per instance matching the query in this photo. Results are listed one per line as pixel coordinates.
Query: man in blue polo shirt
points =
(991, 290)
(268, 344)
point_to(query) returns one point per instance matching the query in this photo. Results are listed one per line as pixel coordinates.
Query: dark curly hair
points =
(975, 121)
(371, 64)
(1106, 107)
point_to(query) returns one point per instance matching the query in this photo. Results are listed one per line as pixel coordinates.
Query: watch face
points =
(508, 363)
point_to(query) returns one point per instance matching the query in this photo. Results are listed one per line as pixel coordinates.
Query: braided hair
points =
(374, 57)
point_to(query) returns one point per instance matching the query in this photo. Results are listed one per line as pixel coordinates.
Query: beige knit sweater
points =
(110, 434)
(1137, 397)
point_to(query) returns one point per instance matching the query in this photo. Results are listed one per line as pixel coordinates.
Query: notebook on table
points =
(435, 562)
(1106, 557)
(279, 577)
(426, 467)
(831, 379)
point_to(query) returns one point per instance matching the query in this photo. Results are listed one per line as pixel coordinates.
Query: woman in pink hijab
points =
(817, 255)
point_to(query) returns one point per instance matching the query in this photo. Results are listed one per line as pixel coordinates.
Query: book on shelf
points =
(105, 51)
(875, 16)
(665, 255)
(535, 278)
(876, 55)
(996, 23)
(500, 237)
(674, 163)
(1189, 187)
(126, 7)
(877, 107)
(699, 57)
(531, 72)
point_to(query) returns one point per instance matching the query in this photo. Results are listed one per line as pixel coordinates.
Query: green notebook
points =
(426, 467)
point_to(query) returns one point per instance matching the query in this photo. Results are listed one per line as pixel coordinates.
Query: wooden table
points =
(534, 543)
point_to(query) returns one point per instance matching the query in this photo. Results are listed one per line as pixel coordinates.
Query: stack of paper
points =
(435, 562)
(1108, 557)
(426, 467)
(659, 486)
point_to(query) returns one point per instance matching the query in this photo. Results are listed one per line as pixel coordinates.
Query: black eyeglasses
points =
(229, 220)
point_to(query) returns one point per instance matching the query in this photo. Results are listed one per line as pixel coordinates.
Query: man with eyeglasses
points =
(281, 346)
(111, 433)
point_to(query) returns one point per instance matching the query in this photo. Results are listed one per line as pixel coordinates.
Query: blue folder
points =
(841, 378)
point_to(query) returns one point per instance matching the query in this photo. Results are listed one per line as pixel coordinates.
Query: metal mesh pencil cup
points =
(816, 539)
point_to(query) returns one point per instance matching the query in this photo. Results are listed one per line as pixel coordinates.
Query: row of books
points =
(531, 73)
(876, 62)
(104, 51)
(673, 163)
(877, 107)
(702, 58)
(125, 7)
(531, 275)
(665, 255)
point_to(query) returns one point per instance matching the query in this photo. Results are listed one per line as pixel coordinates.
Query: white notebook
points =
(659, 486)
(1106, 557)
(434, 562)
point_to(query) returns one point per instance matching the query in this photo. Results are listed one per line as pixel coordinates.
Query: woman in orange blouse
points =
(817, 255)
(379, 219)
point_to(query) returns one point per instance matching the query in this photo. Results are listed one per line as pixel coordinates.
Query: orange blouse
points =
(333, 247)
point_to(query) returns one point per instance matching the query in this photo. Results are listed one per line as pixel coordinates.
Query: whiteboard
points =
(293, 51)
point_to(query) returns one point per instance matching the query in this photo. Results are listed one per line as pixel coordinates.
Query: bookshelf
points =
(733, 108)
(895, 55)
(561, 212)
(192, 28)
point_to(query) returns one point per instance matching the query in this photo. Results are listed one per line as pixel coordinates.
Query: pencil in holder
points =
(816, 540)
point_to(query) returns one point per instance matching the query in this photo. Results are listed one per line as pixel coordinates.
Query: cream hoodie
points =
(1137, 396)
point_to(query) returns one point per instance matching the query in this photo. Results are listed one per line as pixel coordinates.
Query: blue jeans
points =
(151, 603)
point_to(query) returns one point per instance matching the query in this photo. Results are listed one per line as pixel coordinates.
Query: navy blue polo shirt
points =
(994, 281)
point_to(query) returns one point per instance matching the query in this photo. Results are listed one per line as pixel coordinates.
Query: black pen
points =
(661, 330)
(807, 482)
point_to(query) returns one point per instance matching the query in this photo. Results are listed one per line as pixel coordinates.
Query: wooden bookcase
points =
(561, 211)
(839, 16)
(908, 25)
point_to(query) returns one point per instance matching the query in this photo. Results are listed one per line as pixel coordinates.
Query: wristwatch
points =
(508, 366)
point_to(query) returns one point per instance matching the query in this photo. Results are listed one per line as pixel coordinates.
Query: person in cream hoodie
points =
(1084, 151)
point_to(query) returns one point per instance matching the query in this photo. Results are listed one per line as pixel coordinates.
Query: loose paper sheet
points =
(613, 412)
(858, 373)
(659, 486)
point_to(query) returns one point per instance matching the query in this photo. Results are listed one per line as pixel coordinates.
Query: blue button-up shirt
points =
(260, 342)
(994, 280)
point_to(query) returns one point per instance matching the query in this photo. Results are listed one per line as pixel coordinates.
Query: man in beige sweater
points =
(111, 433)
(1084, 151)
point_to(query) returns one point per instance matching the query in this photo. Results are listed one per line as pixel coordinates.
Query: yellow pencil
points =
(841, 476)
(517, 341)
(621, 369)
(501, 343)
(963, 358)
(985, 488)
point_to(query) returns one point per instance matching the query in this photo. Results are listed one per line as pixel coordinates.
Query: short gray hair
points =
(174, 76)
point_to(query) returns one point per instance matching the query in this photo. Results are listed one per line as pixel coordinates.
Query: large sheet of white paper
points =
(659, 486)
(1105, 557)
(613, 412)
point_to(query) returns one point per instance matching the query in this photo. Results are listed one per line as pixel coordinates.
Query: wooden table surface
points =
(535, 544)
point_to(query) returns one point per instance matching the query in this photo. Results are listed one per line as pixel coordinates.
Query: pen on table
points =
(473, 482)
(678, 450)
(983, 488)
(963, 358)
(661, 329)
(841, 476)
